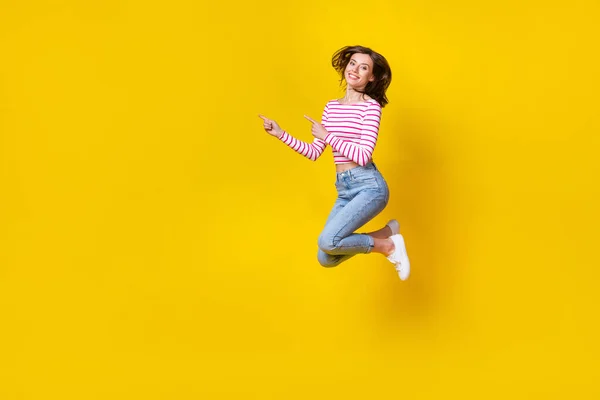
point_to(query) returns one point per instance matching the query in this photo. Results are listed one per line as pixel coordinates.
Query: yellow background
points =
(156, 243)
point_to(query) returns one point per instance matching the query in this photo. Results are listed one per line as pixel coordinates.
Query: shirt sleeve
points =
(312, 150)
(361, 152)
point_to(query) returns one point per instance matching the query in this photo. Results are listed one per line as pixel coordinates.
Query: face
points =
(359, 71)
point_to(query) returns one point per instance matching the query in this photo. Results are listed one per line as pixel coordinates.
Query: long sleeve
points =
(360, 151)
(312, 150)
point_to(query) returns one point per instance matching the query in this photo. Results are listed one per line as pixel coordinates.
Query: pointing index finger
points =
(310, 119)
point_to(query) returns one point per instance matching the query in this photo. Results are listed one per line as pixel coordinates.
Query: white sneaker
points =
(394, 226)
(399, 257)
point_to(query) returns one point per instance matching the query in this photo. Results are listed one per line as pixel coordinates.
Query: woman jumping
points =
(350, 126)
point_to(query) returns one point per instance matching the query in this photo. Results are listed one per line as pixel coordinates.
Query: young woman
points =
(351, 126)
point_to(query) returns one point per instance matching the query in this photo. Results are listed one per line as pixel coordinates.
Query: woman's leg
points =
(338, 237)
(327, 260)
(382, 233)
(382, 245)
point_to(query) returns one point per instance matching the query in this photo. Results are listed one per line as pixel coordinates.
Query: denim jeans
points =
(362, 194)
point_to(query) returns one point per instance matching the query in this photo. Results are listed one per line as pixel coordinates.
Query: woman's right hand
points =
(271, 127)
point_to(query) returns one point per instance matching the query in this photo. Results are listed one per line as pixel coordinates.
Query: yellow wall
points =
(157, 244)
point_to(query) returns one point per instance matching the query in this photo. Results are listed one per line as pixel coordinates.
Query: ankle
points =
(391, 247)
(384, 246)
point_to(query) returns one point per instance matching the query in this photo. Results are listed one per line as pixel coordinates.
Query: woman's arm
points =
(311, 151)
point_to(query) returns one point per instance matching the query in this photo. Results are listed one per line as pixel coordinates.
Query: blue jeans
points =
(362, 194)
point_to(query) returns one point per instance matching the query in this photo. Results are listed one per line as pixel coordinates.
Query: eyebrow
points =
(352, 59)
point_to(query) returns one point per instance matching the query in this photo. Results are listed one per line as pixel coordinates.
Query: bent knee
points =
(327, 260)
(327, 243)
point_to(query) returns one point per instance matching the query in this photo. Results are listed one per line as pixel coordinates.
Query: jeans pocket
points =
(367, 182)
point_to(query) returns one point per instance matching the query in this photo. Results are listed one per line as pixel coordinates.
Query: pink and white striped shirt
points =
(353, 131)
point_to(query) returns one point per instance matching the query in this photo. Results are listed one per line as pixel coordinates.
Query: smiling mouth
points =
(352, 76)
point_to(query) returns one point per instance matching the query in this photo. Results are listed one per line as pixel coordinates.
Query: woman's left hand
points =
(317, 129)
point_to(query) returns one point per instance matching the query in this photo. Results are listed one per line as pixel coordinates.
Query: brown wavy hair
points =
(381, 71)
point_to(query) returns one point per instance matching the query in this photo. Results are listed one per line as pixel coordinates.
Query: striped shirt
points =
(352, 133)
